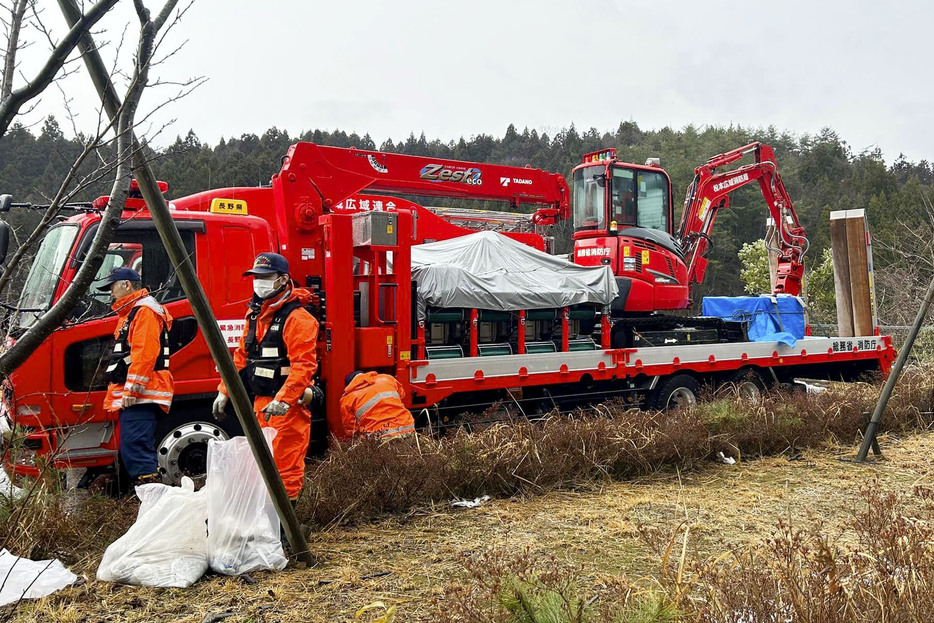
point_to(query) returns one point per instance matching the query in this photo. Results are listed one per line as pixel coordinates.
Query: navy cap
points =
(268, 264)
(118, 274)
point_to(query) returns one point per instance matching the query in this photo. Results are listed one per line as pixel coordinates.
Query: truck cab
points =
(622, 217)
(60, 388)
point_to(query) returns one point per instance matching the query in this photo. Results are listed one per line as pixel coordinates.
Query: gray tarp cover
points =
(488, 270)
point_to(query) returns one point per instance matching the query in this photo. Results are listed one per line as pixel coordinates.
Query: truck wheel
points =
(749, 385)
(182, 445)
(679, 390)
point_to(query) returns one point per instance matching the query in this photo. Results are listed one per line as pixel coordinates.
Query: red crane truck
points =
(346, 221)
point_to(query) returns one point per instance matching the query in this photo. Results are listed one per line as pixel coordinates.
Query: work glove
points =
(129, 401)
(276, 407)
(217, 409)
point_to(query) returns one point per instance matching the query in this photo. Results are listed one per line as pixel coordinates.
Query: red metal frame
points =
(626, 364)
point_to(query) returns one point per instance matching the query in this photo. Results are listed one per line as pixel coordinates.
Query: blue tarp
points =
(769, 318)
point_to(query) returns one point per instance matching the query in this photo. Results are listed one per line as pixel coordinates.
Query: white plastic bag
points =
(7, 489)
(243, 527)
(22, 578)
(167, 546)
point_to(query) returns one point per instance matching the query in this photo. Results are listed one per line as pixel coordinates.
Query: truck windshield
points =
(46, 272)
(639, 198)
(589, 186)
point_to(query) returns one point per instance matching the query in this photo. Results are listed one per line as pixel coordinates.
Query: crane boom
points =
(335, 173)
(709, 193)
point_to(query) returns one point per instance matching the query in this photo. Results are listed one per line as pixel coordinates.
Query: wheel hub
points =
(184, 451)
(682, 397)
(749, 391)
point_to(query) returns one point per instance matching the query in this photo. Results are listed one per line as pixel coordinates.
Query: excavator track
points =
(669, 330)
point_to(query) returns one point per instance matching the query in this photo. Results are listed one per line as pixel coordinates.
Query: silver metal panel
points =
(85, 436)
(508, 365)
(375, 228)
(86, 453)
(701, 352)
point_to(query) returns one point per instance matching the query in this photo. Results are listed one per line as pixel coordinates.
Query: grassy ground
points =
(407, 561)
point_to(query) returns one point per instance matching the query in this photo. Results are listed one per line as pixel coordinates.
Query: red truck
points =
(346, 221)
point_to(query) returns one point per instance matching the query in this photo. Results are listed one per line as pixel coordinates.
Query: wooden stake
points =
(859, 272)
(841, 273)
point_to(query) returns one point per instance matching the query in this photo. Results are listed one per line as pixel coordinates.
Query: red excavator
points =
(623, 218)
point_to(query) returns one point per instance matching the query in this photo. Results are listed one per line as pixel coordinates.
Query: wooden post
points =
(859, 272)
(872, 284)
(841, 273)
(172, 241)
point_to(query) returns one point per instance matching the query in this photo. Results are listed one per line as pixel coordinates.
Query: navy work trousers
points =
(138, 439)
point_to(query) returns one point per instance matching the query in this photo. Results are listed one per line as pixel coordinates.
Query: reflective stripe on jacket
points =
(143, 381)
(373, 405)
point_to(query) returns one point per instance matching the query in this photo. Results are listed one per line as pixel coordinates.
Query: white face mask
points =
(264, 287)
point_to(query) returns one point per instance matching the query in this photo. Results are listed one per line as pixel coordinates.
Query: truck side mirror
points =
(4, 239)
(6, 202)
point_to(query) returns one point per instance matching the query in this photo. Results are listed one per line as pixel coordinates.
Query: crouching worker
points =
(372, 406)
(277, 360)
(141, 385)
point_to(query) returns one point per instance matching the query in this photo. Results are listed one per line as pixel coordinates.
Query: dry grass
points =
(579, 513)
(594, 529)
(809, 574)
(363, 481)
(802, 574)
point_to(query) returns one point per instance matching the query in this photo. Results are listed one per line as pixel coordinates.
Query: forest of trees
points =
(821, 173)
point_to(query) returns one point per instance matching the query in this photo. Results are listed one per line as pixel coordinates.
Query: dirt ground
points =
(407, 560)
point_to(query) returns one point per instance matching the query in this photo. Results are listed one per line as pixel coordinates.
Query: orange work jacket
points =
(142, 380)
(373, 405)
(300, 337)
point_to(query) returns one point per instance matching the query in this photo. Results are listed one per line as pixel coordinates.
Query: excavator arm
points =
(709, 193)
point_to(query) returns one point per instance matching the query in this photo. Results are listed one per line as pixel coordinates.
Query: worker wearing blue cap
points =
(141, 386)
(277, 359)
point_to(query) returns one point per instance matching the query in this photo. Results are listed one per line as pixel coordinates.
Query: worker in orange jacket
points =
(277, 360)
(372, 404)
(141, 386)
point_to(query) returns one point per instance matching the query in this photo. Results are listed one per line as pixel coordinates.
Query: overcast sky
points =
(452, 69)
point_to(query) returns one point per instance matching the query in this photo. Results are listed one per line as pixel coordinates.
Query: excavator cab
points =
(609, 195)
(622, 216)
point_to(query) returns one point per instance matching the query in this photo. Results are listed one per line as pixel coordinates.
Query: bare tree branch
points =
(10, 105)
(901, 286)
(50, 214)
(12, 46)
(110, 219)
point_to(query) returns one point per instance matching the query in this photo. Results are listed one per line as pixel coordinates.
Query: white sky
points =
(453, 69)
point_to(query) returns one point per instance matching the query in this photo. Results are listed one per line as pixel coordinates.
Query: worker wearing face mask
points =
(277, 361)
(141, 385)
